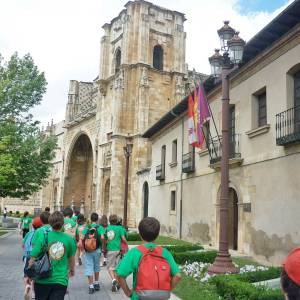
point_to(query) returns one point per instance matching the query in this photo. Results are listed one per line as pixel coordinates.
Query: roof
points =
(264, 39)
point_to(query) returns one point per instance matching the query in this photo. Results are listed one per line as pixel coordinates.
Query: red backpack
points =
(154, 275)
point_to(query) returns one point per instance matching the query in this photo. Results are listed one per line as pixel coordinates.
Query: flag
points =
(191, 124)
(198, 108)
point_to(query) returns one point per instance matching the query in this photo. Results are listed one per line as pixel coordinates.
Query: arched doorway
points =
(106, 197)
(145, 199)
(233, 219)
(78, 181)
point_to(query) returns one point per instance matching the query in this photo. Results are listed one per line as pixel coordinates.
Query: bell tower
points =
(142, 76)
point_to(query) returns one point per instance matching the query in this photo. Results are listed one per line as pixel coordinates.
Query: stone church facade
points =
(142, 75)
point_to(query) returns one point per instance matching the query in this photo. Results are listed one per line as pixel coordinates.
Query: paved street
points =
(11, 283)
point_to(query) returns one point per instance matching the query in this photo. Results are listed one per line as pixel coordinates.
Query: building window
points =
(262, 109)
(173, 200)
(158, 57)
(174, 151)
(117, 60)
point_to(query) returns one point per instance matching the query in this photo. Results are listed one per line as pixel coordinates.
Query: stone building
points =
(182, 186)
(142, 75)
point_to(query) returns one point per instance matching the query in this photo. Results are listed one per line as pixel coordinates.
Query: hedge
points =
(205, 256)
(271, 273)
(183, 248)
(133, 237)
(231, 288)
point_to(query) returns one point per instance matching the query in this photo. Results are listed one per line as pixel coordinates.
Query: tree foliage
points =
(25, 151)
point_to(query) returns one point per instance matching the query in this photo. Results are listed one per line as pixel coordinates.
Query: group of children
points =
(95, 239)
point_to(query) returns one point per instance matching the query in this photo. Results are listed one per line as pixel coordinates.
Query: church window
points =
(158, 57)
(117, 60)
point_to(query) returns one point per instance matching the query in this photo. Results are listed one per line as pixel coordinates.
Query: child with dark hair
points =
(25, 223)
(93, 235)
(69, 224)
(290, 275)
(47, 209)
(141, 261)
(75, 215)
(79, 237)
(114, 235)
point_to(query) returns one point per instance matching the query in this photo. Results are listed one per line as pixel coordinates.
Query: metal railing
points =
(188, 162)
(160, 172)
(288, 126)
(215, 148)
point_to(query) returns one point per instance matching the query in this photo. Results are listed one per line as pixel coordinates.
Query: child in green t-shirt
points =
(114, 235)
(149, 230)
(69, 224)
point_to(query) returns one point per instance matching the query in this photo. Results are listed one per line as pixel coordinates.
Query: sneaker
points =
(97, 286)
(104, 263)
(91, 290)
(79, 261)
(114, 287)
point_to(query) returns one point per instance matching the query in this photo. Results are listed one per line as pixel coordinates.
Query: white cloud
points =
(63, 36)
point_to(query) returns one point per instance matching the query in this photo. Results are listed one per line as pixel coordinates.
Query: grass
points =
(163, 240)
(242, 261)
(3, 232)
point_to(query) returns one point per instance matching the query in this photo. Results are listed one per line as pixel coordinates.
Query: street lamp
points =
(127, 152)
(232, 47)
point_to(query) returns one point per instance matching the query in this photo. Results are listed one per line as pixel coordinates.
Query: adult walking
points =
(61, 249)
(25, 223)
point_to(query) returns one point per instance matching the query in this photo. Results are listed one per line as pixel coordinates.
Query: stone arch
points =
(158, 57)
(106, 197)
(234, 217)
(145, 199)
(78, 185)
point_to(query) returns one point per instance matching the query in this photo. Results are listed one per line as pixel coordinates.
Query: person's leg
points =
(112, 258)
(89, 270)
(25, 231)
(42, 291)
(97, 255)
(58, 292)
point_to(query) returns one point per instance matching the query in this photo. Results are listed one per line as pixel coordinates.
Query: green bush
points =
(183, 248)
(133, 236)
(229, 287)
(205, 256)
(271, 273)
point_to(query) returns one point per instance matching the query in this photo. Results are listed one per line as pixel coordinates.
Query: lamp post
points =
(232, 47)
(127, 152)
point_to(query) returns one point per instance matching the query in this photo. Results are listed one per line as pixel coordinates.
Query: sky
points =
(63, 36)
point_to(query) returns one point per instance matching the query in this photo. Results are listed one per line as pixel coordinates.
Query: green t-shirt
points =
(70, 227)
(113, 235)
(39, 233)
(60, 247)
(130, 264)
(26, 221)
(74, 218)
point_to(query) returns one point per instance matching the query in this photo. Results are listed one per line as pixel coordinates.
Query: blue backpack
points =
(28, 244)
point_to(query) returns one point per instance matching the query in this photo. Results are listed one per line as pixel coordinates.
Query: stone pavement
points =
(11, 272)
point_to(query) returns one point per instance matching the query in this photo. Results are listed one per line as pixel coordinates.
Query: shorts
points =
(49, 291)
(92, 262)
(113, 258)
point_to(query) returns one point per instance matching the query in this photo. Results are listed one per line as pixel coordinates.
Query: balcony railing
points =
(160, 172)
(215, 149)
(288, 126)
(188, 162)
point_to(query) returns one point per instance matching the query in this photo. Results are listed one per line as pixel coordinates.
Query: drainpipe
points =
(181, 182)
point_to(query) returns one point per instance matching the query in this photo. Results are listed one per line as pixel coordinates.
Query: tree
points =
(25, 151)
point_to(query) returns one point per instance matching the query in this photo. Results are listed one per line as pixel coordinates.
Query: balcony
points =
(288, 126)
(160, 172)
(215, 150)
(188, 162)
